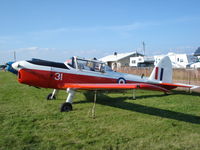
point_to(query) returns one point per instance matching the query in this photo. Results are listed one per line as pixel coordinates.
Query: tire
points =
(49, 97)
(66, 107)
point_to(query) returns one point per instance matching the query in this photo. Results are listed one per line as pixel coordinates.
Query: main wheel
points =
(49, 97)
(65, 107)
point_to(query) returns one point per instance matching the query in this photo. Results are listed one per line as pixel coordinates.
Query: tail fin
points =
(162, 71)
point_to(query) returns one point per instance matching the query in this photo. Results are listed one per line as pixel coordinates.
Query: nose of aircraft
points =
(16, 66)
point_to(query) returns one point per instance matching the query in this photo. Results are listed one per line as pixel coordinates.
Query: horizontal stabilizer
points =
(187, 86)
(175, 85)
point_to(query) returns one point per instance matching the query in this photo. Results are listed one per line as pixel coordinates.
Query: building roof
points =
(117, 57)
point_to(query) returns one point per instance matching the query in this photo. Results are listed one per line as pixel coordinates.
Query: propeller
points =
(8, 67)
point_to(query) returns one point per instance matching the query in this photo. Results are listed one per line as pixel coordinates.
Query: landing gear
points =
(65, 107)
(167, 93)
(134, 93)
(52, 96)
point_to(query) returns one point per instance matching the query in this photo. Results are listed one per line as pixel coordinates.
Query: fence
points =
(186, 76)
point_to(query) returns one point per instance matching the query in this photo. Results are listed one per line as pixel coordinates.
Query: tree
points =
(197, 52)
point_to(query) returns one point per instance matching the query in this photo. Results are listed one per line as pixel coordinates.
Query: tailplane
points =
(162, 71)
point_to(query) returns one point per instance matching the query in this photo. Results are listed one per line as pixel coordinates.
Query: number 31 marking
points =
(58, 76)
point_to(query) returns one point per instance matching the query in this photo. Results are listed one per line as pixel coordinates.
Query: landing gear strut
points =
(52, 96)
(67, 106)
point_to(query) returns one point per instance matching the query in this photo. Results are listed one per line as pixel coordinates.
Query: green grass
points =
(152, 121)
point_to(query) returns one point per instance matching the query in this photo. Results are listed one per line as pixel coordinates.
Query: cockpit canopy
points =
(88, 64)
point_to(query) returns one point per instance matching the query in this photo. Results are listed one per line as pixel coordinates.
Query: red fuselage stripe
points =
(49, 79)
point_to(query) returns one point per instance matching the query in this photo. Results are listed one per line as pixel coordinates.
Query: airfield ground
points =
(152, 121)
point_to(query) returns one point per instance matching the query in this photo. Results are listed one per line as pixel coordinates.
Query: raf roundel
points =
(121, 81)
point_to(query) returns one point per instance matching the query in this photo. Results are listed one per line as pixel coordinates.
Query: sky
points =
(58, 29)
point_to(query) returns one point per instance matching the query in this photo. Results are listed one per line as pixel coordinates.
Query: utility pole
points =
(115, 53)
(14, 56)
(143, 44)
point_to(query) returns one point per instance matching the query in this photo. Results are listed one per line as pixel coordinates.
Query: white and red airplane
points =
(84, 74)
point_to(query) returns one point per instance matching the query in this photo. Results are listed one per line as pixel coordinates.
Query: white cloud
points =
(53, 54)
(62, 55)
(117, 28)
(184, 49)
(9, 39)
(25, 53)
(42, 38)
(126, 27)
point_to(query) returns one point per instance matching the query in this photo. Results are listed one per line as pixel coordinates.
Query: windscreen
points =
(90, 65)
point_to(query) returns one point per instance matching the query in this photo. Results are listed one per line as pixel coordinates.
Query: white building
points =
(119, 60)
(135, 59)
(195, 65)
(178, 60)
(141, 61)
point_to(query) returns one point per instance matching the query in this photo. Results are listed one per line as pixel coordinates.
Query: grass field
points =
(152, 121)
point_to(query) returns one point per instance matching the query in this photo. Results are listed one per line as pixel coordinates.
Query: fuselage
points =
(54, 75)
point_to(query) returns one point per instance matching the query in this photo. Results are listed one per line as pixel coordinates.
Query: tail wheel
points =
(65, 107)
(49, 97)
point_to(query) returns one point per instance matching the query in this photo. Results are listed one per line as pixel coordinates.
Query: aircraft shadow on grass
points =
(119, 102)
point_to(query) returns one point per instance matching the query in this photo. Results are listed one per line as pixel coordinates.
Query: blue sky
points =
(58, 29)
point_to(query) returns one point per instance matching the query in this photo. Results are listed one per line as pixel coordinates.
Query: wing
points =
(115, 86)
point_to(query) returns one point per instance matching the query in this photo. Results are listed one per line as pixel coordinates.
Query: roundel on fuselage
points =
(121, 81)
